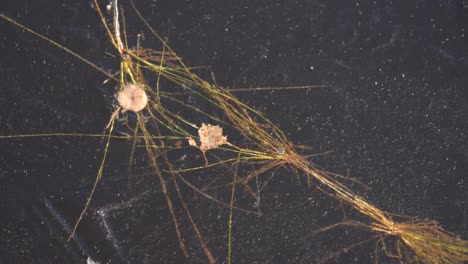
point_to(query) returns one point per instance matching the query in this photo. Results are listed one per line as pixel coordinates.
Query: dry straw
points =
(265, 147)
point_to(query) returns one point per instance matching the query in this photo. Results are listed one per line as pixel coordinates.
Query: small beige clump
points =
(211, 137)
(132, 97)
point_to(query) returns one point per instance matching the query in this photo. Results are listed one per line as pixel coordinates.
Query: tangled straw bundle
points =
(265, 146)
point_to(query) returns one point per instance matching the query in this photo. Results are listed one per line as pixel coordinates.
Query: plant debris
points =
(211, 137)
(132, 97)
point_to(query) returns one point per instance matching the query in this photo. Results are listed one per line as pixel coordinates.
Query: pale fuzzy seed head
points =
(132, 97)
(211, 137)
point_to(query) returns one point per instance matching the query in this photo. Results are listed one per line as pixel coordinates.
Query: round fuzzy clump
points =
(132, 97)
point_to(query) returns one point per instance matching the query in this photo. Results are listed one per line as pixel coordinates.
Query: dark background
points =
(394, 113)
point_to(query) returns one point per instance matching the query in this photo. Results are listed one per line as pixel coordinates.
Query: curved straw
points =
(423, 239)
